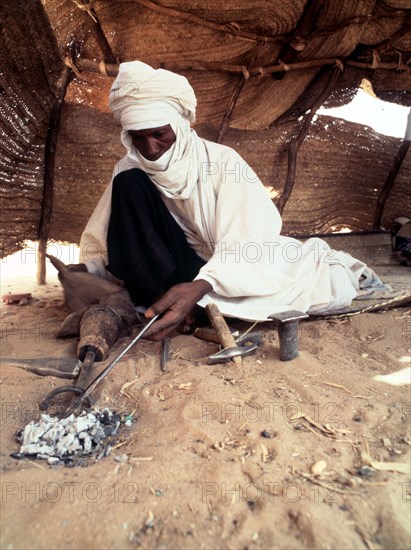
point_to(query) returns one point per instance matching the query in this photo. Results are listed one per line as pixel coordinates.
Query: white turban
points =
(142, 97)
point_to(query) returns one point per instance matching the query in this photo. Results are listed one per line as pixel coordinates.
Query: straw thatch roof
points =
(257, 67)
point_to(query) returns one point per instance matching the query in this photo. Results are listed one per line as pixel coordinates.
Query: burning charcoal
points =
(105, 417)
(75, 446)
(82, 424)
(67, 439)
(99, 435)
(107, 429)
(33, 432)
(63, 441)
(67, 421)
(34, 449)
(54, 434)
(87, 444)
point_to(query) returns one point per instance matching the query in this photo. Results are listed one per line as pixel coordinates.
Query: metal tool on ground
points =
(60, 367)
(227, 354)
(287, 326)
(165, 353)
(85, 392)
(245, 345)
(231, 349)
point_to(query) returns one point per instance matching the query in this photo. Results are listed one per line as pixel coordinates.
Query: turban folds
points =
(142, 97)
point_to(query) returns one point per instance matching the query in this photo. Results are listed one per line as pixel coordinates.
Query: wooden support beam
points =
(227, 117)
(296, 143)
(392, 174)
(111, 70)
(306, 26)
(97, 30)
(49, 164)
(233, 100)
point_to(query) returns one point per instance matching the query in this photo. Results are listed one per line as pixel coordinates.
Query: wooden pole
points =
(306, 27)
(49, 164)
(87, 65)
(295, 145)
(392, 174)
(97, 31)
(227, 117)
(233, 100)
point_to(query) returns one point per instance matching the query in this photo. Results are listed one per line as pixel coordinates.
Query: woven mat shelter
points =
(260, 70)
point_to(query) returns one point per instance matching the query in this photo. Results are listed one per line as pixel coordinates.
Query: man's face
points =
(154, 142)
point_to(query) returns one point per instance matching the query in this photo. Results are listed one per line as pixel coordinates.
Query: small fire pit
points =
(70, 440)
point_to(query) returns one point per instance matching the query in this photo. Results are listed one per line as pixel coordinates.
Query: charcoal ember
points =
(82, 423)
(105, 417)
(54, 434)
(67, 439)
(107, 430)
(88, 444)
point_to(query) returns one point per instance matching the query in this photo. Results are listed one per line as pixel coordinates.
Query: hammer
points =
(232, 349)
(223, 332)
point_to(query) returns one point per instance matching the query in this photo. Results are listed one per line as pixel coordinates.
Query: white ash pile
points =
(64, 441)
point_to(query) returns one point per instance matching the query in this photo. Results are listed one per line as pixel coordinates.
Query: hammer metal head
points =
(287, 326)
(228, 353)
(288, 316)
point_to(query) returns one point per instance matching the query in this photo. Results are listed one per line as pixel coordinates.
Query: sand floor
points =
(218, 456)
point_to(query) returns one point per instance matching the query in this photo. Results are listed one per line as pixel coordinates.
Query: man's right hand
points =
(175, 307)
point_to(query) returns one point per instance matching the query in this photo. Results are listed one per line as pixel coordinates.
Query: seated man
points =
(186, 221)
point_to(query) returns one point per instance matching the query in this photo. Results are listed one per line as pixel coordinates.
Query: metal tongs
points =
(84, 393)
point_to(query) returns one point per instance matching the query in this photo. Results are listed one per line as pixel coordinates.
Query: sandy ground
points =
(194, 470)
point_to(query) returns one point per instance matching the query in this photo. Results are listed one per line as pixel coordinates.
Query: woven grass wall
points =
(337, 182)
(30, 69)
(341, 166)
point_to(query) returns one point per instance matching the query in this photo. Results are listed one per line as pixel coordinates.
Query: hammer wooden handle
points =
(220, 326)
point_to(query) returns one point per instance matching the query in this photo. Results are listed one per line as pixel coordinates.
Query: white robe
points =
(232, 223)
